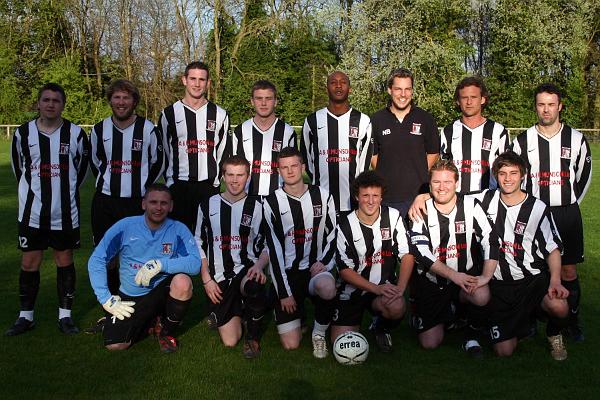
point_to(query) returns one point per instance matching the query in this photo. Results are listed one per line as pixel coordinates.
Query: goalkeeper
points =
(157, 255)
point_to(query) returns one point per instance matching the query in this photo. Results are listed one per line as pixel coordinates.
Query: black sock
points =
(114, 281)
(574, 297)
(555, 325)
(65, 286)
(174, 312)
(476, 321)
(29, 285)
(323, 310)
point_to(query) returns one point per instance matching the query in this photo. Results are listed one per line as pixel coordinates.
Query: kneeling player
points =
(300, 236)
(156, 255)
(451, 243)
(228, 231)
(369, 241)
(527, 278)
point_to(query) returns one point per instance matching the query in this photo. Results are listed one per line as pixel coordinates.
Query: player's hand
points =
(481, 281)
(288, 304)
(256, 274)
(389, 292)
(213, 291)
(147, 272)
(466, 282)
(557, 291)
(118, 308)
(317, 268)
(418, 209)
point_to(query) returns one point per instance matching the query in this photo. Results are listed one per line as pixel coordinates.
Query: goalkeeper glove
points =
(147, 272)
(118, 308)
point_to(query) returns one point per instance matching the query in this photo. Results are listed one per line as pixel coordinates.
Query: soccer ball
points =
(351, 348)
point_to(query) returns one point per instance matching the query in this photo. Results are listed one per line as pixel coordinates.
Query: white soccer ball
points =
(351, 348)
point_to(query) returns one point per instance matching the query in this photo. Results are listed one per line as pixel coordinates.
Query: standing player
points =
(336, 143)
(559, 162)
(527, 278)
(157, 255)
(261, 138)
(406, 143)
(228, 232)
(196, 135)
(457, 252)
(49, 159)
(300, 237)
(472, 142)
(369, 241)
(127, 157)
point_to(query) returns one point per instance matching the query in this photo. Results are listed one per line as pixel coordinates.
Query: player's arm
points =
(222, 147)
(555, 289)
(82, 158)
(187, 258)
(504, 142)
(432, 143)
(431, 159)
(489, 241)
(163, 130)
(418, 209)
(95, 160)
(549, 243)
(306, 149)
(329, 245)
(364, 148)
(156, 156)
(16, 155)
(407, 261)
(275, 238)
(583, 171)
(103, 253)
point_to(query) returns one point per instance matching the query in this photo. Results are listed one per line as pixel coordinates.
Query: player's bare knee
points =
(395, 309)
(568, 273)
(63, 258)
(323, 285)
(117, 346)
(181, 287)
(230, 341)
(430, 342)
(504, 351)
(558, 308)
(290, 345)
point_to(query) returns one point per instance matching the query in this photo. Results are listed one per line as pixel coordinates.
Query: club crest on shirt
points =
(459, 226)
(136, 145)
(317, 211)
(486, 144)
(416, 129)
(167, 248)
(276, 145)
(246, 220)
(211, 125)
(385, 234)
(64, 148)
(520, 227)
(565, 152)
(353, 132)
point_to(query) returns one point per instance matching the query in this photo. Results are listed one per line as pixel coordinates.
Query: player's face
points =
(369, 200)
(50, 104)
(338, 87)
(443, 186)
(264, 102)
(470, 101)
(510, 179)
(291, 170)
(122, 104)
(196, 83)
(401, 93)
(157, 205)
(547, 107)
(235, 177)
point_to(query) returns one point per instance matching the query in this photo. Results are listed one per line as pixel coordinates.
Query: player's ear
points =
(144, 203)
(560, 106)
(171, 206)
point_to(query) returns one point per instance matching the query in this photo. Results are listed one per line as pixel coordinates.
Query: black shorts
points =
(298, 281)
(107, 210)
(232, 304)
(32, 239)
(186, 199)
(146, 307)
(514, 304)
(431, 304)
(570, 228)
(349, 312)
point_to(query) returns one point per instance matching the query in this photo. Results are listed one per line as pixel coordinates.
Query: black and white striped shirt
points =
(527, 234)
(462, 239)
(370, 250)
(49, 169)
(559, 168)
(261, 149)
(336, 149)
(195, 142)
(126, 161)
(473, 152)
(300, 231)
(229, 234)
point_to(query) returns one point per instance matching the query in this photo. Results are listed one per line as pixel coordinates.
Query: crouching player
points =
(300, 236)
(369, 241)
(527, 278)
(228, 231)
(157, 255)
(456, 251)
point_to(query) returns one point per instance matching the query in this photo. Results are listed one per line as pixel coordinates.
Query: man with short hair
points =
(300, 233)
(50, 159)
(559, 162)
(196, 135)
(261, 138)
(406, 143)
(369, 241)
(336, 143)
(228, 232)
(157, 257)
(527, 278)
(456, 251)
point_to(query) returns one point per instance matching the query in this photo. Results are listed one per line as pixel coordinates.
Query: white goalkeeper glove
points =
(118, 308)
(147, 272)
